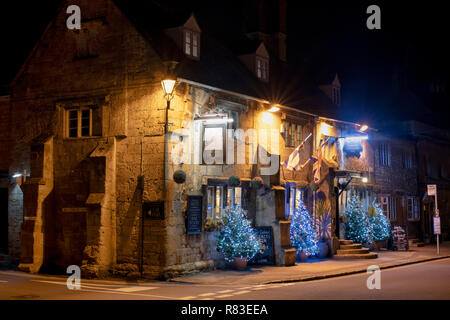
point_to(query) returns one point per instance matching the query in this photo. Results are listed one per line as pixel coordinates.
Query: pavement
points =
(314, 268)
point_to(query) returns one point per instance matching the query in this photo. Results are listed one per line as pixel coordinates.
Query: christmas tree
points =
(380, 225)
(237, 238)
(357, 227)
(303, 235)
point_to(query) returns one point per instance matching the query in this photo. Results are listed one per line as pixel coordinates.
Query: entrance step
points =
(369, 255)
(352, 251)
(414, 242)
(351, 246)
(341, 242)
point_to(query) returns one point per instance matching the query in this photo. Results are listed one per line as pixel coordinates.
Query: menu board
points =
(266, 255)
(400, 237)
(194, 215)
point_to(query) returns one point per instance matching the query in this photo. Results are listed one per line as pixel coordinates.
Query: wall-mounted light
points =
(16, 175)
(274, 108)
(356, 138)
(168, 86)
(267, 117)
(364, 180)
(363, 128)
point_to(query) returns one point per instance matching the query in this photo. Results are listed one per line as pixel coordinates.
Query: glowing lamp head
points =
(364, 128)
(365, 180)
(168, 85)
(274, 108)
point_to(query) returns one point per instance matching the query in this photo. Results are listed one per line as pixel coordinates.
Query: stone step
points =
(341, 242)
(413, 240)
(356, 256)
(351, 251)
(351, 246)
(418, 244)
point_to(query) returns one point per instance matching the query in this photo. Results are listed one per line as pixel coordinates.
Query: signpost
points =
(432, 191)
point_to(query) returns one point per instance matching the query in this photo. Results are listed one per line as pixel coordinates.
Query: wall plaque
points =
(194, 215)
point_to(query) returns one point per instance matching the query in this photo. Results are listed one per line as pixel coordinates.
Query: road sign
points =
(437, 225)
(431, 189)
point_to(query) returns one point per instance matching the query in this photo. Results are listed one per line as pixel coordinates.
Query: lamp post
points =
(168, 86)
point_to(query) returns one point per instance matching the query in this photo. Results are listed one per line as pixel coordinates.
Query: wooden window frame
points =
(190, 44)
(224, 142)
(79, 110)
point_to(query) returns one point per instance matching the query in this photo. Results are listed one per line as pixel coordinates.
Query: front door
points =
(3, 220)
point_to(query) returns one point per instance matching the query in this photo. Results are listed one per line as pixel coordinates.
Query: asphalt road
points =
(429, 280)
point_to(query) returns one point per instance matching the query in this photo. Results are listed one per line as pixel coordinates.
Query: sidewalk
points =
(316, 268)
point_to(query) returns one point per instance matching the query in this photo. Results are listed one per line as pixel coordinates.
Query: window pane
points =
(73, 123)
(195, 45)
(187, 40)
(85, 122)
(213, 138)
(218, 202)
(229, 196)
(210, 202)
(237, 196)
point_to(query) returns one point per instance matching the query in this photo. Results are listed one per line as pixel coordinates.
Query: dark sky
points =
(332, 36)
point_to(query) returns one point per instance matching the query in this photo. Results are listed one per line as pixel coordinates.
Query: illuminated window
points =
(262, 69)
(234, 196)
(213, 150)
(293, 134)
(192, 43)
(406, 160)
(215, 203)
(84, 122)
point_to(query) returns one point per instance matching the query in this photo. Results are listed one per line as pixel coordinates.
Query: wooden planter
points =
(240, 263)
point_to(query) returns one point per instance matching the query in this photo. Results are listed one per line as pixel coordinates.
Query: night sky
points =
(332, 37)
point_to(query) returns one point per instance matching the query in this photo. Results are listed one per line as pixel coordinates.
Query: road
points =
(429, 280)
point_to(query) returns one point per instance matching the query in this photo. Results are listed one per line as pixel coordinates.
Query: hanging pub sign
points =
(266, 255)
(194, 215)
(399, 237)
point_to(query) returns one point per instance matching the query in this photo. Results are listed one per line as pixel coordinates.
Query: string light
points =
(237, 238)
(357, 227)
(380, 225)
(303, 235)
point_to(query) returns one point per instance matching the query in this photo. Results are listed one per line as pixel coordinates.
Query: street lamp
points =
(363, 128)
(168, 86)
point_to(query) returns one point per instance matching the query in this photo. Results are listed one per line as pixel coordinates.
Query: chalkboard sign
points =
(266, 255)
(194, 215)
(399, 237)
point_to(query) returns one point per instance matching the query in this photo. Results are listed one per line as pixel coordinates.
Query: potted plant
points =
(302, 233)
(323, 221)
(237, 240)
(257, 182)
(357, 227)
(212, 225)
(179, 176)
(234, 181)
(379, 224)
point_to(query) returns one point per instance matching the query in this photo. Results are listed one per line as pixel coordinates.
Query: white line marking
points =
(134, 289)
(259, 288)
(189, 298)
(225, 291)
(3, 281)
(241, 292)
(207, 294)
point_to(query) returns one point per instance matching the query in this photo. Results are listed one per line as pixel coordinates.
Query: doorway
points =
(3, 220)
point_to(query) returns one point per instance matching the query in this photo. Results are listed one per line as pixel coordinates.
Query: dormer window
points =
(262, 69)
(192, 43)
(336, 95)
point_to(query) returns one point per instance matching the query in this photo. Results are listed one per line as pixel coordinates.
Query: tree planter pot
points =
(323, 249)
(378, 245)
(301, 256)
(240, 263)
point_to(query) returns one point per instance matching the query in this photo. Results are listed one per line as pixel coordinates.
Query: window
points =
(336, 95)
(84, 122)
(192, 43)
(262, 69)
(413, 208)
(406, 160)
(388, 207)
(234, 196)
(215, 202)
(213, 151)
(384, 155)
(293, 134)
(220, 197)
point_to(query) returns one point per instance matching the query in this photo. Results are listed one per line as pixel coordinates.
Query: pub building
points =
(129, 138)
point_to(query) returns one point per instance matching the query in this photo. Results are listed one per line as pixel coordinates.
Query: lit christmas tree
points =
(357, 227)
(303, 235)
(380, 225)
(237, 238)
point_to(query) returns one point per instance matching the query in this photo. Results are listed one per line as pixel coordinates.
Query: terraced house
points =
(124, 135)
